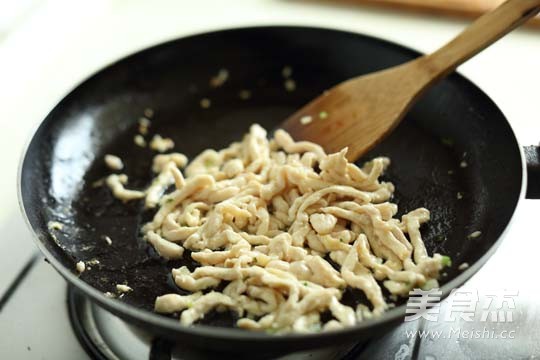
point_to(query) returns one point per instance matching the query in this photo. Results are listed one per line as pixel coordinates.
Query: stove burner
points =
(106, 337)
(101, 334)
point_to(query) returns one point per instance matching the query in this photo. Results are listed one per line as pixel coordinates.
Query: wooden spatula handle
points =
(479, 35)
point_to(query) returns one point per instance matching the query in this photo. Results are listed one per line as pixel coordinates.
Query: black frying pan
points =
(454, 121)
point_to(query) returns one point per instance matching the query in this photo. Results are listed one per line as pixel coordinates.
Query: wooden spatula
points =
(360, 112)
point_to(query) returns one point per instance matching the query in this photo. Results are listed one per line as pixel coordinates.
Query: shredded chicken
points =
(160, 161)
(121, 288)
(264, 217)
(113, 162)
(139, 140)
(116, 184)
(161, 144)
(144, 124)
(172, 303)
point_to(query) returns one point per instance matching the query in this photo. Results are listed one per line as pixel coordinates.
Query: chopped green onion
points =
(446, 261)
(430, 284)
(440, 238)
(447, 141)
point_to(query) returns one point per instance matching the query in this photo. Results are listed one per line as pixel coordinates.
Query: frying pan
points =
(454, 123)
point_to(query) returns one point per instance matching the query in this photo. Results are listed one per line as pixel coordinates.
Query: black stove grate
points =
(81, 315)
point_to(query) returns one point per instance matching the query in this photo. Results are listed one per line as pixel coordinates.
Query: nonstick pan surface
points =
(455, 140)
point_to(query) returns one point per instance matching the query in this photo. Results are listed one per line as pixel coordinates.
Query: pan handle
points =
(532, 157)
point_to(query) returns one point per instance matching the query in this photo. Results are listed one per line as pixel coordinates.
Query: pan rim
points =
(142, 316)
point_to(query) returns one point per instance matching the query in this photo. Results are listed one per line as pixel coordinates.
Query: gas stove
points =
(105, 337)
(41, 317)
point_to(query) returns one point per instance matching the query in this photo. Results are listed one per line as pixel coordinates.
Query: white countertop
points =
(60, 42)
